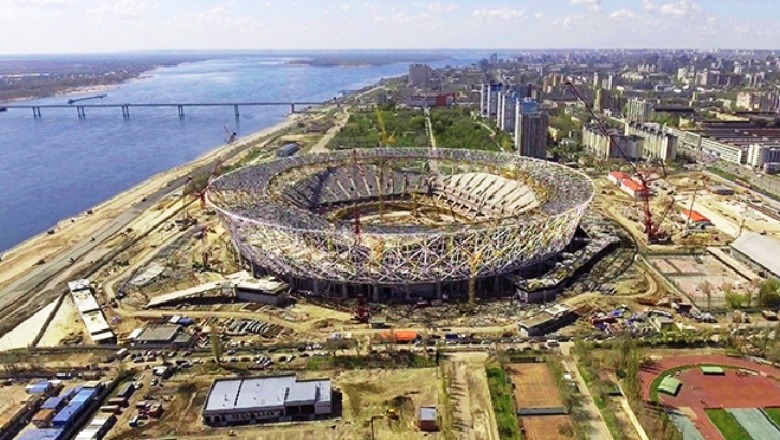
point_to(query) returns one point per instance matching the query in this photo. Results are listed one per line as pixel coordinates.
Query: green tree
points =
(769, 293)
(216, 346)
(735, 300)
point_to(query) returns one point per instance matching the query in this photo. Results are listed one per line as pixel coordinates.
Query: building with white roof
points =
(759, 251)
(266, 399)
(89, 310)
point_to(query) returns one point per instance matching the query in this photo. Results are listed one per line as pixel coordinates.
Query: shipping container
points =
(120, 401)
(54, 403)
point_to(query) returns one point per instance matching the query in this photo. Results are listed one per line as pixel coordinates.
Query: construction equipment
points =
(185, 220)
(392, 414)
(651, 228)
(201, 194)
(384, 138)
(361, 310)
(476, 259)
(704, 180)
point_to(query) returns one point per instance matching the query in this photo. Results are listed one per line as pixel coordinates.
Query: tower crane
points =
(651, 227)
(384, 138)
(201, 194)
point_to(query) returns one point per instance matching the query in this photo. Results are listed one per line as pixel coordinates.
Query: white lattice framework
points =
(275, 230)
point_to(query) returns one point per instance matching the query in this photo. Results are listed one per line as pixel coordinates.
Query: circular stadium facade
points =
(399, 219)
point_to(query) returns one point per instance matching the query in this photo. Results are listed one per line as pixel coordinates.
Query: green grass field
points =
(774, 415)
(727, 425)
(503, 402)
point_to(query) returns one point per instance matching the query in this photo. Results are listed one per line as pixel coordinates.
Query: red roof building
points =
(617, 176)
(632, 187)
(695, 217)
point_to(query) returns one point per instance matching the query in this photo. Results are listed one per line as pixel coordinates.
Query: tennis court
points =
(534, 386)
(546, 427)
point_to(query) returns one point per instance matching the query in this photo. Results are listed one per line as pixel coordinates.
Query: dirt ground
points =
(534, 386)
(11, 397)
(547, 427)
(468, 389)
(690, 272)
(367, 394)
(66, 323)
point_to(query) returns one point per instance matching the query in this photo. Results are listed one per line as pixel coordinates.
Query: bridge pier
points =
(80, 111)
(181, 111)
(292, 108)
(36, 112)
(125, 112)
(235, 111)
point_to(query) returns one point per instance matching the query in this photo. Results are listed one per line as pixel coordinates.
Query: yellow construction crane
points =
(476, 259)
(384, 138)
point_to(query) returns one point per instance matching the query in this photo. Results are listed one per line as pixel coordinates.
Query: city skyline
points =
(84, 26)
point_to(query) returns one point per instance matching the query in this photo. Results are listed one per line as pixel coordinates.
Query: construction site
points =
(295, 251)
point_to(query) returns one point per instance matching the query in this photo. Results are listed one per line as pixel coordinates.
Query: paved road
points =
(598, 428)
(319, 147)
(640, 430)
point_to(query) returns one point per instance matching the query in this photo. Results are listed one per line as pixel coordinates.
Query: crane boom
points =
(650, 228)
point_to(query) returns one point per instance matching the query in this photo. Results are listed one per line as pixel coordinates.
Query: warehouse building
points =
(254, 400)
(266, 290)
(758, 251)
(89, 310)
(548, 320)
(163, 336)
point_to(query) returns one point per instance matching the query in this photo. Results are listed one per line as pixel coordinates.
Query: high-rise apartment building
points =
(638, 110)
(419, 75)
(530, 129)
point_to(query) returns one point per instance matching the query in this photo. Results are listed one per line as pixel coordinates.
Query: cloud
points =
(568, 22)
(623, 14)
(442, 7)
(649, 5)
(345, 7)
(41, 3)
(593, 5)
(538, 15)
(129, 8)
(501, 14)
(681, 8)
(220, 18)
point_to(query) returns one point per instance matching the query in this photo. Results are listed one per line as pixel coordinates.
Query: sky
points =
(86, 26)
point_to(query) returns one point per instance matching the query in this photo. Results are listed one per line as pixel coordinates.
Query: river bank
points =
(21, 258)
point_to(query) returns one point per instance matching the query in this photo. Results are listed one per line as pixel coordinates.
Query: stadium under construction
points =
(401, 224)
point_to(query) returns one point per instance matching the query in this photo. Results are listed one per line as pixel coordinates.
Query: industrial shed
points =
(759, 251)
(266, 399)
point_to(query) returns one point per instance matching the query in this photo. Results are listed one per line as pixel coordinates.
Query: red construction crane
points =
(362, 313)
(651, 227)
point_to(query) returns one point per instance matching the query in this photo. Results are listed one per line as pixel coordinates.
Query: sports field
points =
(547, 427)
(534, 386)
(726, 406)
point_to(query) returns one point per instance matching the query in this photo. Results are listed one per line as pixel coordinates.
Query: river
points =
(59, 165)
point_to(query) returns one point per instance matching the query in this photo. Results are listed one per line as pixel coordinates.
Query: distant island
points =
(24, 78)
